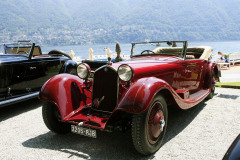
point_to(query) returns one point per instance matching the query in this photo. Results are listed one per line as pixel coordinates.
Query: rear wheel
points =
(53, 120)
(148, 128)
(211, 94)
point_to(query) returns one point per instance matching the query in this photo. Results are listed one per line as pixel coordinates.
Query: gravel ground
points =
(202, 132)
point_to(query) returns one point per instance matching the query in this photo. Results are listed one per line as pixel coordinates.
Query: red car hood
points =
(148, 65)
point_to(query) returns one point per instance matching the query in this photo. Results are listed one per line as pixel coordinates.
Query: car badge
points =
(97, 102)
(105, 69)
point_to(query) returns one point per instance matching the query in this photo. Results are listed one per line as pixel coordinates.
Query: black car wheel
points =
(148, 128)
(211, 94)
(52, 119)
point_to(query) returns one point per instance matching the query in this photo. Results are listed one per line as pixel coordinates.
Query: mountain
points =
(61, 22)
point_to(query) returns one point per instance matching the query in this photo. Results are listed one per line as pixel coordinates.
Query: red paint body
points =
(153, 74)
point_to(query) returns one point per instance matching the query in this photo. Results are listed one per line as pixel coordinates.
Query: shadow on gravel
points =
(115, 145)
(18, 108)
(179, 119)
(228, 96)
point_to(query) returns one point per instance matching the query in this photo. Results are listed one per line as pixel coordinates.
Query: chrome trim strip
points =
(106, 66)
(18, 99)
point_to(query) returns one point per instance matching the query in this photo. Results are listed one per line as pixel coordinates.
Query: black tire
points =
(52, 119)
(211, 94)
(143, 138)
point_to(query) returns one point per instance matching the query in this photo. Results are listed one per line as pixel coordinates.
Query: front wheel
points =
(53, 120)
(148, 128)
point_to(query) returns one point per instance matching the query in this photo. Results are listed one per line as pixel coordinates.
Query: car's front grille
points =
(105, 89)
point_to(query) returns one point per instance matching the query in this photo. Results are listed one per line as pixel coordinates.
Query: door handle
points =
(31, 68)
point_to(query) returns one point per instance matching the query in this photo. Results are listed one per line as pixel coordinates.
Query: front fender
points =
(141, 93)
(66, 92)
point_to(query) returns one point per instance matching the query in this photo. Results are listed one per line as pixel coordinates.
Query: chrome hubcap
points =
(156, 123)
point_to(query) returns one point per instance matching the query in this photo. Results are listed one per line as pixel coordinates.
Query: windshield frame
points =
(183, 54)
(18, 45)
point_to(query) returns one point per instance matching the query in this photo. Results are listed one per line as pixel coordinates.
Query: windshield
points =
(170, 48)
(17, 48)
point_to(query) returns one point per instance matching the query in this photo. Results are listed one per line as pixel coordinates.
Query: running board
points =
(183, 93)
(18, 99)
(198, 95)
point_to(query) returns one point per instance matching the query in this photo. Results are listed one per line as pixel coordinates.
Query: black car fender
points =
(58, 52)
(69, 66)
(233, 151)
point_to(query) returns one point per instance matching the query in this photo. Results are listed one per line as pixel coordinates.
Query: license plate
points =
(84, 131)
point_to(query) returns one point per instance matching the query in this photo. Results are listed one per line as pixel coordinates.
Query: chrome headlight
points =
(83, 70)
(125, 72)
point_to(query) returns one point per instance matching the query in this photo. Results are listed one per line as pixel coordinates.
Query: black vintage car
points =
(24, 69)
(233, 152)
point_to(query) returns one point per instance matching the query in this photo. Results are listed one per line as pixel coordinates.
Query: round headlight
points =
(125, 72)
(83, 70)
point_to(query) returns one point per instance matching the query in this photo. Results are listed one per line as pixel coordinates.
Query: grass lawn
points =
(230, 83)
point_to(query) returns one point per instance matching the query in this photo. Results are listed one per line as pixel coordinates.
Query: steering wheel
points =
(22, 52)
(148, 51)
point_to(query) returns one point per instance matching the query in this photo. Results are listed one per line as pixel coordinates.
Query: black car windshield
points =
(171, 48)
(17, 48)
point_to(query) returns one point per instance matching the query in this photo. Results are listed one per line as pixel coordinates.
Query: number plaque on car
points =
(84, 131)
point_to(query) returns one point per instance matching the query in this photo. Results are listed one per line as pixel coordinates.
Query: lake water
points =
(82, 50)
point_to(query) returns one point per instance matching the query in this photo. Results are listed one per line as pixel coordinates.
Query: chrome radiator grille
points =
(105, 89)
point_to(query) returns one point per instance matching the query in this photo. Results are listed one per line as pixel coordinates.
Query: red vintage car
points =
(132, 94)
